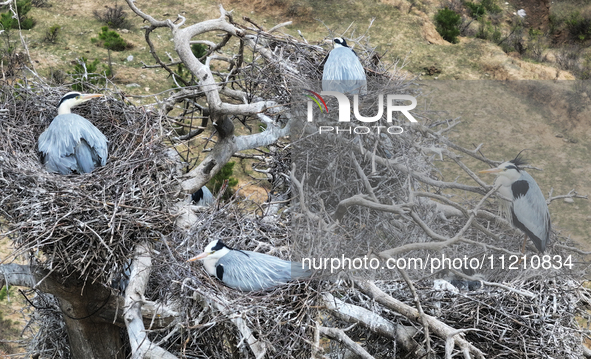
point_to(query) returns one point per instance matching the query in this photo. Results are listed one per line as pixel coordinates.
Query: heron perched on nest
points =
(528, 209)
(246, 270)
(71, 143)
(202, 197)
(343, 71)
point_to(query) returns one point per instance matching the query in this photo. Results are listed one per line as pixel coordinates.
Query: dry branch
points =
(439, 328)
(141, 346)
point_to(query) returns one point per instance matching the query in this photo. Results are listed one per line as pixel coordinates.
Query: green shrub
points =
(199, 50)
(114, 17)
(491, 6)
(579, 26)
(486, 31)
(6, 21)
(3, 295)
(496, 35)
(476, 10)
(224, 174)
(22, 8)
(110, 40)
(448, 24)
(52, 33)
(28, 23)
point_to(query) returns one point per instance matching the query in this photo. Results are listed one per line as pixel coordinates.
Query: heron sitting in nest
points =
(202, 197)
(343, 71)
(71, 143)
(246, 270)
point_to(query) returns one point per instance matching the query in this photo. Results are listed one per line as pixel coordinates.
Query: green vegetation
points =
(114, 17)
(535, 44)
(448, 24)
(22, 8)
(476, 10)
(110, 40)
(85, 73)
(579, 26)
(491, 6)
(199, 50)
(224, 174)
(3, 293)
(52, 34)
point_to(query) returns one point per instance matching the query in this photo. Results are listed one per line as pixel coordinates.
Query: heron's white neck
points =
(63, 110)
(211, 260)
(209, 265)
(507, 177)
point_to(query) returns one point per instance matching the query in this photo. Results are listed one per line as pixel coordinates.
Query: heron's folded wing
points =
(343, 72)
(60, 140)
(531, 210)
(251, 271)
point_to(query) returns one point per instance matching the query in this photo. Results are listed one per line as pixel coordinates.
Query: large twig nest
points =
(83, 224)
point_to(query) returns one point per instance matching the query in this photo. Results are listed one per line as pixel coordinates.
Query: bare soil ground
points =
(537, 13)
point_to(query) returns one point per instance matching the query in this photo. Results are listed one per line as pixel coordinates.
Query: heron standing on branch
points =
(71, 143)
(343, 71)
(528, 209)
(246, 270)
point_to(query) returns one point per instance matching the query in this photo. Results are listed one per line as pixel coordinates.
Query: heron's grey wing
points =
(530, 211)
(84, 156)
(60, 145)
(207, 196)
(343, 72)
(252, 271)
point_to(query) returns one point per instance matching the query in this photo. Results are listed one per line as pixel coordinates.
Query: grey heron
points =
(71, 143)
(246, 270)
(202, 197)
(528, 209)
(343, 71)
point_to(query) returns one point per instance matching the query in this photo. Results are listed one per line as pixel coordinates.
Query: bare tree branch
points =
(340, 335)
(439, 328)
(141, 346)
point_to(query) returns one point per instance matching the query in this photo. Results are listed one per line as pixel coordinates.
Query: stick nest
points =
(87, 224)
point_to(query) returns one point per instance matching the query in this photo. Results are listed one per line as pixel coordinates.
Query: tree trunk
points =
(91, 335)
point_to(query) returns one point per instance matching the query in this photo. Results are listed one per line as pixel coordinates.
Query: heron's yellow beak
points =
(89, 96)
(492, 170)
(201, 256)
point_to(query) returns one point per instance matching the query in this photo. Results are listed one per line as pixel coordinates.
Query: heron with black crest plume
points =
(527, 209)
(71, 143)
(246, 270)
(202, 197)
(343, 71)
